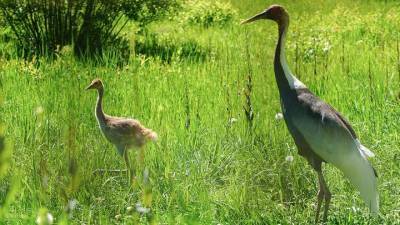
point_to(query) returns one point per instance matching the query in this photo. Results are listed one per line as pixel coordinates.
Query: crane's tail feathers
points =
(365, 152)
(151, 135)
(363, 176)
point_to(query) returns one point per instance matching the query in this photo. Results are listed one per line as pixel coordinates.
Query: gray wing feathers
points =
(346, 123)
(327, 132)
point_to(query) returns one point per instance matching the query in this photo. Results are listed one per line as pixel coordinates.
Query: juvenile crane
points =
(124, 133)
(320, 133)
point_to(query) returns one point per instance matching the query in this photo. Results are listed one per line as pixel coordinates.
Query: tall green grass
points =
(213, 170)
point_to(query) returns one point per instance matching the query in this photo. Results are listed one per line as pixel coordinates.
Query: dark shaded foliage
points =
(42, 27)
(152, 46)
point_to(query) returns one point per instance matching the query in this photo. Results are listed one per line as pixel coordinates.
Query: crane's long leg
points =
(320, 197)
(328, 197)
(128, 166)
(325, 194)
(140, 157)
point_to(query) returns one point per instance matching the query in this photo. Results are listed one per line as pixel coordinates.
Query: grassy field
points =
(210, 165)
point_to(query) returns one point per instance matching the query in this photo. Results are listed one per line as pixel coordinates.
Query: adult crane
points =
(320, 133)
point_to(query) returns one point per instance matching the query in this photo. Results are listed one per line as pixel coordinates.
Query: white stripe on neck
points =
(294, 83)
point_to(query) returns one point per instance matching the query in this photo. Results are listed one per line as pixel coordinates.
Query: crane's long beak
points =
(254, 18)
(89, 87)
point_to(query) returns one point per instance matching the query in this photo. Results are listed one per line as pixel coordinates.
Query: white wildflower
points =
(327, 47)
(45, 218)
(232, 120)
(72, 203)
(289, 158)
(129, 209)
(141, 209)
(118, 216)
(355, 209)
(49, 218)
(187, 172)
(278, 116)
(39, 110)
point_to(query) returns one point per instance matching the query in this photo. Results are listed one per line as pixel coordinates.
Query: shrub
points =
(6, 43)
(207, 13)
(41, 27)
(146, 11)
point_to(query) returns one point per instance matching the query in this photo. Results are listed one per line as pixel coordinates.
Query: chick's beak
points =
(262, 15)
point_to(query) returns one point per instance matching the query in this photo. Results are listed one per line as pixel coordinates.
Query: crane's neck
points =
(284, 77)
(101, 118)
